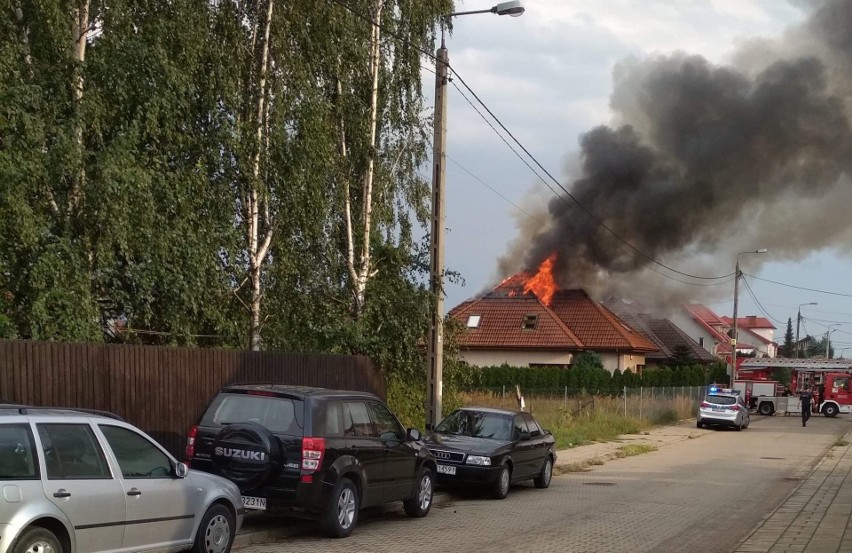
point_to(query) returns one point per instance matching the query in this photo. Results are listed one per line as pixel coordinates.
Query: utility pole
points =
(798, 322)
(436, 270)
(734, 335)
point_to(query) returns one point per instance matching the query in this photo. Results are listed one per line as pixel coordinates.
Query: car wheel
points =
(765, 409)
(419, 504)
(216, 531)
(699, 424)
(830, 410)
(36, 540)
(738, 427)
(342, 515)
(543, 480)
(500, 488)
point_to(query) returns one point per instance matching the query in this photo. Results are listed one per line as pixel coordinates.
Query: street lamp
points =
(798, 321)
(828, 332)
(736, 292)
(435, 351)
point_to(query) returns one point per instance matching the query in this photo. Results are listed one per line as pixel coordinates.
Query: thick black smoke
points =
(704, 152)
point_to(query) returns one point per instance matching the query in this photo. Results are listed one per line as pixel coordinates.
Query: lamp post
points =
(798, 321)
(736, 292)
(435, 346)
(828, 332)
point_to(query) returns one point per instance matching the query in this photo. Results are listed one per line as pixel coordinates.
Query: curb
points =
(291, 527)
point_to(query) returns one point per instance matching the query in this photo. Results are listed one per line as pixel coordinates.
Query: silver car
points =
(723, 408)
(81, 482)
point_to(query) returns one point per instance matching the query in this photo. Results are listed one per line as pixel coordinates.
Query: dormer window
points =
(473, 321)
(530, 322)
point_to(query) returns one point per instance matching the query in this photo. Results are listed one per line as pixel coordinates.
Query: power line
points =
(757, 301)
(800, 287)
(588, 211)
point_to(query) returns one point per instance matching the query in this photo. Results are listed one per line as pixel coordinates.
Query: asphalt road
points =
(704, 494)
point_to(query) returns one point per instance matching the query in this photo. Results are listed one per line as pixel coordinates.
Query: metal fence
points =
(162, 390)
(643, 403)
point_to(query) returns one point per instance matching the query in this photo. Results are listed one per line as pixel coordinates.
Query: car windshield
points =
(478, 424)
(721, 400)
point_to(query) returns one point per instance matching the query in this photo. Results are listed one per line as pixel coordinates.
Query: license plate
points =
(719, 409)
(446, 469)
(257, 503)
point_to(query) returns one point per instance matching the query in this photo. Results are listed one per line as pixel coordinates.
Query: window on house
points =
(701, 341)
(473, 321)
(530, 322)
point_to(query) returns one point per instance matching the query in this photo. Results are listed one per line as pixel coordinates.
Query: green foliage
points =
(789, 347)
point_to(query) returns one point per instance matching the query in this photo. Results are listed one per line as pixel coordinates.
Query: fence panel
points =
(162, 390)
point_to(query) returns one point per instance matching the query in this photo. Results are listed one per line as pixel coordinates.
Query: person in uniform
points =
(806, 397)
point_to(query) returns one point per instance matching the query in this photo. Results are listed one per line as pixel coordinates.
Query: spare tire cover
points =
(247, 454)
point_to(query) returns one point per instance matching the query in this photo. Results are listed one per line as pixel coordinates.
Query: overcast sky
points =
(548, 76)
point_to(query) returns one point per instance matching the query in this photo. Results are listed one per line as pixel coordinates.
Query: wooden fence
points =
(161, 390)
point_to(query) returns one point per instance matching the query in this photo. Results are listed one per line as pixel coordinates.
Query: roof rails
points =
(23, 410)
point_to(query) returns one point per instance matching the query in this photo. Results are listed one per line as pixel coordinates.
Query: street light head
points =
(761, 250)
(514, 8)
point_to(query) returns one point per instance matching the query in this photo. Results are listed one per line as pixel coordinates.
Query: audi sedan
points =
(492, 449)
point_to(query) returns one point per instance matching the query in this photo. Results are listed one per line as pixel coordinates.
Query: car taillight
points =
(190, 443)
(312, 451)
(734, 407)
(705, 404)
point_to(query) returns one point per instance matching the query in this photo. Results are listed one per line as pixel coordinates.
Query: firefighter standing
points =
(806, 398)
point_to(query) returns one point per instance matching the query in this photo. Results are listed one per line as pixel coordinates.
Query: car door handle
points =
(61, 493)
(134, 491)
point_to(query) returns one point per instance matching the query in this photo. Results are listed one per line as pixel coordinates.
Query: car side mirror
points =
(525, 436)
(181, 470)
(412, 435)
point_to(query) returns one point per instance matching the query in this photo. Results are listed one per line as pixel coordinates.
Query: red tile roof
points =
(705, 313)
(573, 321)
(595, 325)
(750, 322)
(501, 324)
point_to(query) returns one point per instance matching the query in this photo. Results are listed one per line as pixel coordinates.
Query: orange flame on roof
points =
(542, 284)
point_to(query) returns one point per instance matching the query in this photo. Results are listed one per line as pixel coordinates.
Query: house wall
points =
(767, 333)
(623, 362)
(695, 331)
(516, 358)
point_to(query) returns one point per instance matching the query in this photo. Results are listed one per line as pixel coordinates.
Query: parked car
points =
(723, 407)
(312, 452)
(493, 448)
(89, 482)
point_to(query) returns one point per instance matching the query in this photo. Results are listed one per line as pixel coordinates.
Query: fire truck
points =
(832, 376)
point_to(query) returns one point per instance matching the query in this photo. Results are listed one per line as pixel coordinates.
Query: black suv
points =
(312, 452)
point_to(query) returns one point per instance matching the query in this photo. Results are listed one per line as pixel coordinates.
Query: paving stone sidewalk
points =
(815, 518)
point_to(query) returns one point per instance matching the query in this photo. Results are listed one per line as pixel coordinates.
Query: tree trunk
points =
(79, 34)
(364, 271)
(258, 247)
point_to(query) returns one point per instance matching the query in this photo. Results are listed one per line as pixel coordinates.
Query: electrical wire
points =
(757, 301)
(588, 211)
(800, 287)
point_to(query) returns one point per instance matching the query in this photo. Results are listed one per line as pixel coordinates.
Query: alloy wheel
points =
(425, 494)
(346, 508)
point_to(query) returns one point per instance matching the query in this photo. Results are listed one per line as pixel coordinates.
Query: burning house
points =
(527, 320)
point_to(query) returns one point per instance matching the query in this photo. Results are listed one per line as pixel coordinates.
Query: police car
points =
(723, 407)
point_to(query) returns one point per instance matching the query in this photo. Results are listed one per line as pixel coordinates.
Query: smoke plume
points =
(706, 160)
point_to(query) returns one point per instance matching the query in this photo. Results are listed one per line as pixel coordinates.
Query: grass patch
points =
(841, 443)
(635, 449)
(586, 419)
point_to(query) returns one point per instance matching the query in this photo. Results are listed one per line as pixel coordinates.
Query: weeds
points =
(635, 449)
(582, 420)
(840, 443)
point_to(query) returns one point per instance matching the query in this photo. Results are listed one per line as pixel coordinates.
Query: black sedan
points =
(493, 448)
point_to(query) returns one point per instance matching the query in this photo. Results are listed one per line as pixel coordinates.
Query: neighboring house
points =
(673, 343)
(509, 325)
(756, 330)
